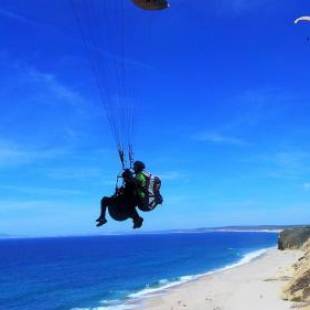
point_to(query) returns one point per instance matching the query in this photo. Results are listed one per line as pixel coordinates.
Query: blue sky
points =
(222, 115)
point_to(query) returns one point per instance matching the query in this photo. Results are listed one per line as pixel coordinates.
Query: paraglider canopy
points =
(302, 19)
(151, 5)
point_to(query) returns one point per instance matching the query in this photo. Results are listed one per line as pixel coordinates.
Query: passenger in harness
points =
(140, 189)
(148, 188)
(122, 205)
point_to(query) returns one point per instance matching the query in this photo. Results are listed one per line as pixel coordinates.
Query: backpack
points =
(153, 185)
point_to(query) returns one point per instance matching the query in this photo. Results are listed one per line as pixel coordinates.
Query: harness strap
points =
(122, 157)
(130, 156)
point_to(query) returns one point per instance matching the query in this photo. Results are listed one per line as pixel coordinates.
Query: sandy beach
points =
(256, 285)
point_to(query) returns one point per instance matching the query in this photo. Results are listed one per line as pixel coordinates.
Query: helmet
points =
(138, 166)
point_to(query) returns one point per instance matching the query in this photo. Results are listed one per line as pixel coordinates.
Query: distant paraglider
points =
(302, 19)
(151, 5)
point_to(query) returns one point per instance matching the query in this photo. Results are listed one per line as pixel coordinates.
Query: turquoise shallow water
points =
(105, 272)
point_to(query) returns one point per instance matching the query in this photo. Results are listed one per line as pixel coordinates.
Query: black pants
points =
(127, 206)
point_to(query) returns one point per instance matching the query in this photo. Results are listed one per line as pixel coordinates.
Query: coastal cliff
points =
(293, 238)
(298, 288)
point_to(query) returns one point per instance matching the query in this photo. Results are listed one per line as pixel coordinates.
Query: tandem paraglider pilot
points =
(98, 22)
(139, 190)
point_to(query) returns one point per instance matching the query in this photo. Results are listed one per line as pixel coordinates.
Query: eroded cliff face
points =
(293, 238)
(298, 288)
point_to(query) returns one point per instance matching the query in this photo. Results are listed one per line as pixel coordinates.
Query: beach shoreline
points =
(252, 284)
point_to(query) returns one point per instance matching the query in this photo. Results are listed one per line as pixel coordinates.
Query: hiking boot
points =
(138, 223)
(101, 222)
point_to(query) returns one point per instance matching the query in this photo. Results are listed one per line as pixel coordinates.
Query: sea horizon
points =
(237, 228)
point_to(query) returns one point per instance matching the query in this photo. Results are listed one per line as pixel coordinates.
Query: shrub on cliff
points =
(293, 238)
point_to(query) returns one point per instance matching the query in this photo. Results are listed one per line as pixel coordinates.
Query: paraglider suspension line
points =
(122, 157)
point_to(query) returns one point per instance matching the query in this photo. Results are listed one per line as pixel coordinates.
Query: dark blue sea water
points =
(90, 272)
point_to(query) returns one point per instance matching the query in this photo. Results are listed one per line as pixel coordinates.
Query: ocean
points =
(110, 272)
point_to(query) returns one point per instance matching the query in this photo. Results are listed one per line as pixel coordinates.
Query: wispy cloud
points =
(255, 107)
(35, 85)
(17, 17)
(12, 154)
(15, 205)
(103, 53)
(45, 191)
(248, 110)
(306, 186)
(292, 164)
(121, 60)
(291, 159)
(44, 108)
(218, 138)
(237, 7)
(80, 173)
(49, 87)
(172, 176)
